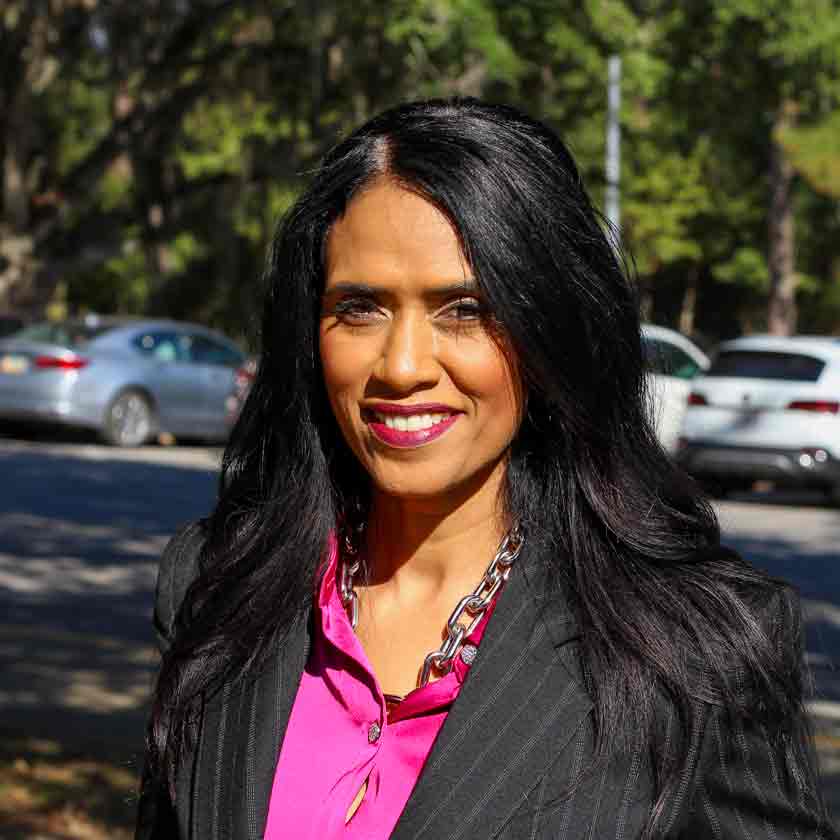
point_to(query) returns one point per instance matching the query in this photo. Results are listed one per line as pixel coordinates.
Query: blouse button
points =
(374, 731)
(468, 653)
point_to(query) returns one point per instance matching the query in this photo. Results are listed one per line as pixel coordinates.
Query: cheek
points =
(484, 374)
(345, 371)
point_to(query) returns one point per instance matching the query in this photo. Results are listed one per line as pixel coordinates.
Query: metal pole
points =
(613, 162)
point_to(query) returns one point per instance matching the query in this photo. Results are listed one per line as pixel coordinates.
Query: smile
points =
(412, 423)
(407, 431)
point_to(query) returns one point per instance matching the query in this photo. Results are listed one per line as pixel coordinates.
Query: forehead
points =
(389, 233)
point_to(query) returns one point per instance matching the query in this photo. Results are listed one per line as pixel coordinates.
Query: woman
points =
(452, 586)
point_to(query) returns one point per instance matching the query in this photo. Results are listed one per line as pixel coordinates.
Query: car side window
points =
(165, 346)
(667, 359)
(206, 351)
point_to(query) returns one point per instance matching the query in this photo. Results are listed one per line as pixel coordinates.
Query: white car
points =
(673, 363)
(767, 408)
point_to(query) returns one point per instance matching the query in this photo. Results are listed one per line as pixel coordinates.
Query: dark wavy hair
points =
(631, 542)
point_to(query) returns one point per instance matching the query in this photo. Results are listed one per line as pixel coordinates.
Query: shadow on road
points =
(80, 539)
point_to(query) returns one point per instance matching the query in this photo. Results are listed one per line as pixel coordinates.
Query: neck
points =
(434, 546)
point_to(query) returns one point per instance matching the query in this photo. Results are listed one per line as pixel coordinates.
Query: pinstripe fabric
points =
(743, 793)
(539, 803)
(208, 787)
(568, 807)
(709, 813)
(238, 802)
(519, 735)
(250, 768)
(596, 808)
(774, 772)
(219, 768)
(233, 765)
(687, 776)
(629, 788)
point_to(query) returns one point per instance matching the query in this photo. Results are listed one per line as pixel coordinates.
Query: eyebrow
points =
(467, 286)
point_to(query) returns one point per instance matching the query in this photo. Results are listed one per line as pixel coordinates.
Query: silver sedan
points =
(128, 379)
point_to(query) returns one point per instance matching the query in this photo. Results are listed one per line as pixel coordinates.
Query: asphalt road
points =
(82, 526)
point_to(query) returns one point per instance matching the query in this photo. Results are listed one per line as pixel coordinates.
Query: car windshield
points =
(759, 364)
(66, 333)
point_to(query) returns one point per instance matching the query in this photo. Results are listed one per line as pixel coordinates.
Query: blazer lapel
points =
(520, 706)
(242, 728)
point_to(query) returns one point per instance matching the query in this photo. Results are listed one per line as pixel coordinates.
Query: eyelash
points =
(350, 307)
(467, 309)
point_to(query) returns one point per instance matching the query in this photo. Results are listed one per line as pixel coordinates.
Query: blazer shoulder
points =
(178, 568)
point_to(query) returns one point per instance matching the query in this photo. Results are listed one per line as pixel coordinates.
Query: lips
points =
(409, 426)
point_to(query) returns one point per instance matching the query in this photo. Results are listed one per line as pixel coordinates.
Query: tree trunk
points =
(646, 302)
(17, 265)
(781, 314)
(689, 301)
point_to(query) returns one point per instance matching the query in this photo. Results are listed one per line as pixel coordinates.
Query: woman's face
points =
(422, 392)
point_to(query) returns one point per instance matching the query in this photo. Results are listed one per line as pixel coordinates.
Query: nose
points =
(409, 358)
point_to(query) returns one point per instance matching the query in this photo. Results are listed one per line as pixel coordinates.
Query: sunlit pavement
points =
(82, 527)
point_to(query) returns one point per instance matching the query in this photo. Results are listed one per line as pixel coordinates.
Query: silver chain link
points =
(472, 607)
(348, 595)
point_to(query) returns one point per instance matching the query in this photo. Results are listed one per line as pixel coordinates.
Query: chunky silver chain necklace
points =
(465, 616)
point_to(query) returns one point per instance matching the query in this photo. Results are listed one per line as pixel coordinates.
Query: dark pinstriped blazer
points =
(518, 734)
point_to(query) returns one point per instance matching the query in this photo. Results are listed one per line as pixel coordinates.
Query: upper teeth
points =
(411, 422)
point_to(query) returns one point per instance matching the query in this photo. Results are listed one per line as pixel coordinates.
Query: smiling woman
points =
(407, 359)
(453, 587)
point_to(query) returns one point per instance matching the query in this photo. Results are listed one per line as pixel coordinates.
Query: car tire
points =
(724, 488)
(129, 420)
(833, 496)
(734, 486)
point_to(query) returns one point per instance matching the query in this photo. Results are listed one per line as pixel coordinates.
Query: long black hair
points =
(629, 540)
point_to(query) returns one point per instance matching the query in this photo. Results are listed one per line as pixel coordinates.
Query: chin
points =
(430, 483)
(412, 489)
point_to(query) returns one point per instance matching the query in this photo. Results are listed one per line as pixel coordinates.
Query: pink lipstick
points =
(409, 426)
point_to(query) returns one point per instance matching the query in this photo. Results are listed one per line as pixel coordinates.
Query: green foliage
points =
(815, 152)
(79, 111)
(184, 250)
(163, 138)
(217, 137)
(746, 266)
(668, 194)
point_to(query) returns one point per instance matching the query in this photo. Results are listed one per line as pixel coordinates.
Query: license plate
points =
(14, 364)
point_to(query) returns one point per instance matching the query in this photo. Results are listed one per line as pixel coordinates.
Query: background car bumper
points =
(803, 467)
(57, 410)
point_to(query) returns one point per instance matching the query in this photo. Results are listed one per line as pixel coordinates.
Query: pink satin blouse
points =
(340, 734)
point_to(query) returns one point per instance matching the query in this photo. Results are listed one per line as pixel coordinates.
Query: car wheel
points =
(128, 420)
(733, 486)
(833, 495)
(723, 488)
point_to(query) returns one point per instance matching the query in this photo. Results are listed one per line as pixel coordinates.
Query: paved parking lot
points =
(82, 526)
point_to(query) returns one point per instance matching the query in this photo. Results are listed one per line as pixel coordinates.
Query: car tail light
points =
(818, 406)
(61, 362)
(697, 399)
(244, 376)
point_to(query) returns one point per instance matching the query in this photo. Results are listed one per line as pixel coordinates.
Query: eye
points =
(465, 309)
(355, 310)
